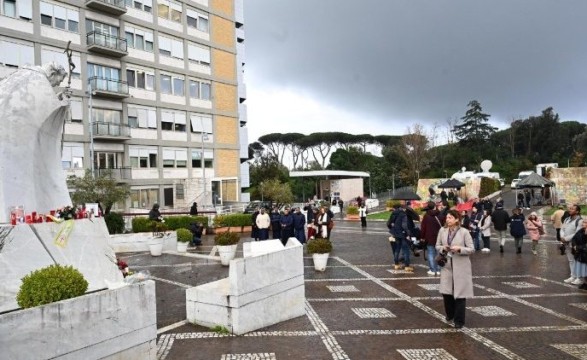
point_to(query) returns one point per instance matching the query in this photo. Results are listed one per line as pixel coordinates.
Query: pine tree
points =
(475, 128)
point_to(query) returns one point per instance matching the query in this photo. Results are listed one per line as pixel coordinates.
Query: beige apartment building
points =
(158, 91)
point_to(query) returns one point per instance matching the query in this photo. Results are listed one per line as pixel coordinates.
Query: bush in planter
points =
(226, 238)
(142, 224)
(352, 210)
(235, 220)
(50, 284)
(114, 223)
(391, 203)
(319, 246)
(184, 235)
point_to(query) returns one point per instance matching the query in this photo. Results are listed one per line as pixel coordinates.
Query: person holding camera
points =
(456, 277)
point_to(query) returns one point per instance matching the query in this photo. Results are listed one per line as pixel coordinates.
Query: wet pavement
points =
(360, 308)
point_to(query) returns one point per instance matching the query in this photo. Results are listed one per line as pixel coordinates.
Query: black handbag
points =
(440, 259)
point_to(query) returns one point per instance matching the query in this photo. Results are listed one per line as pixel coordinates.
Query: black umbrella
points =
(405, 194)
(451, 183)
(534, 180)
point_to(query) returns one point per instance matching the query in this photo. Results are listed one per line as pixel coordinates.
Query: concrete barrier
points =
(262, 289)
(109, 324)
(140, 242)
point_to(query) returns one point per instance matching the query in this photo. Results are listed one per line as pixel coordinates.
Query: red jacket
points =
(430, 226)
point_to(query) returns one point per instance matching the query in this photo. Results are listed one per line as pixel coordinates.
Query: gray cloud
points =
(423, 60)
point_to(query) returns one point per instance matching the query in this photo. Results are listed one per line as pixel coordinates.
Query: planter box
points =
(109, 324)
(247, 229)
(353, 217)
(140, 242)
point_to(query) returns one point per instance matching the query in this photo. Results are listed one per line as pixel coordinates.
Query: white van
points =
(524, 174)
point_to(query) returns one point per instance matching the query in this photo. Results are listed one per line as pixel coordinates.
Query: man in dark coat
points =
(255, 232)
(194, 209)
(287, 225)
(401, 233)
(299, 220)
(275, 225)
(517, 228)
(500, 219)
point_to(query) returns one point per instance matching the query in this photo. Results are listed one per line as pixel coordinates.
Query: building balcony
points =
(106, 130)
(114, 7)
(121, 174)
(99, 42)
(108, 87)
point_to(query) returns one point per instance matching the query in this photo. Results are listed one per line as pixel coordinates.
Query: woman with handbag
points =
(535, 229)
(579, 250)
(456, 277)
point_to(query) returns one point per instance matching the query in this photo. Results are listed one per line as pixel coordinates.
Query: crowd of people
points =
(449, 237)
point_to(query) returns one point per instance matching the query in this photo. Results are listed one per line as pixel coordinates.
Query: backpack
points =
(397, 229)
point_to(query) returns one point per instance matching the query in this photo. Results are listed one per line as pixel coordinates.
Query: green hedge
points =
(319, 246)
(143, 224)
(50, 284)
(114, 223)
(488, 186)
(233, 220)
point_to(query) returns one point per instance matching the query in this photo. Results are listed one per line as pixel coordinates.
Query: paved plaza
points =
(360, 308)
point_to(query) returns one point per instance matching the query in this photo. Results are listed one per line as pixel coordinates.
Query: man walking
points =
(500, 220)
(429, 228)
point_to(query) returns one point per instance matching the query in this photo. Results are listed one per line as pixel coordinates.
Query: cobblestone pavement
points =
(360, 308)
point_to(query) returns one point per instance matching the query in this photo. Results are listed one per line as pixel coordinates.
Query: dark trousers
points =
(276, 230)
(558, 234)
(455, 309)
(486, 242)
(363, 222)
(286, 233)
(263, 234)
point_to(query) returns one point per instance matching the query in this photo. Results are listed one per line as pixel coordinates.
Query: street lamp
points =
(90, 117)
(204, 138)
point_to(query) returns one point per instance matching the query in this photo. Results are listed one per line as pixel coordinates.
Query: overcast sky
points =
(378, 66)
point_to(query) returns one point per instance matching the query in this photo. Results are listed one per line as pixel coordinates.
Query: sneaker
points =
(569, 280)
(431, 273)
(438, 273)
(534, 252)
(409, 269)
(501, 248)
(578, 281)
(485, 250)
(397, 267)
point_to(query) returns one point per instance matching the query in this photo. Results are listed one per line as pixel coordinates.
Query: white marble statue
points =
(32, 117)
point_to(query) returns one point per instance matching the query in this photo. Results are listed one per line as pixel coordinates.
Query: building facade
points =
(158, 91)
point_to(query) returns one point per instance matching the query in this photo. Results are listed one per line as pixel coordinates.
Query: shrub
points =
(390, 203)
(319, 246)
(184, 235)
(114, 223)
(50, 284)
(226, 238)
(352, 210)
(143, 224)
(488, 186)
(233, 220)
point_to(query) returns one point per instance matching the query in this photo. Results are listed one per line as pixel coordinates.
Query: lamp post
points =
(90, 92)
(204, 138)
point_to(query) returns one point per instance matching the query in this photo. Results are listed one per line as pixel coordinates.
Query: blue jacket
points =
(517, 228)
(400, 228)
(299, 220)
(286, 220)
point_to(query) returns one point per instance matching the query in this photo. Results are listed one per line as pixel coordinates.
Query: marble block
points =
(138, 242)
(31, 247)
(86, 249)
(21, 253)
(109, 324)
(253, 248)
(260, 290)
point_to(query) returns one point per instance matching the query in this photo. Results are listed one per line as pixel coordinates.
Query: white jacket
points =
(486, 227)
(263, 221)
(570, 228)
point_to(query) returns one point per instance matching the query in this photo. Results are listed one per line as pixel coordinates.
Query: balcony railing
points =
(116, 7)
(110, 130)
(120, 174)
(109, 87)
(106, 44)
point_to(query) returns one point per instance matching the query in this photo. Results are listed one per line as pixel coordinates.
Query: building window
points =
(58, 55)
(106, 116)
(169, 10)
(59, 17)
(143, 5)
(173, 121)
(143, 157)
(139, 39)
(199, 54)
(107, 160)
(170, 47)
(201, 124)
(104, 72)
(140, 79)
(172, 84)
(16, 54)
(197, 159)
(72, 156)
(76, 110)
(144, 198)
(197, 20)
(142, 117)
(174, 158)
(199, 90)
(179, 191)
(102, 28)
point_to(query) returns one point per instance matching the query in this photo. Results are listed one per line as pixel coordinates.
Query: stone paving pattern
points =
(359, 309)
